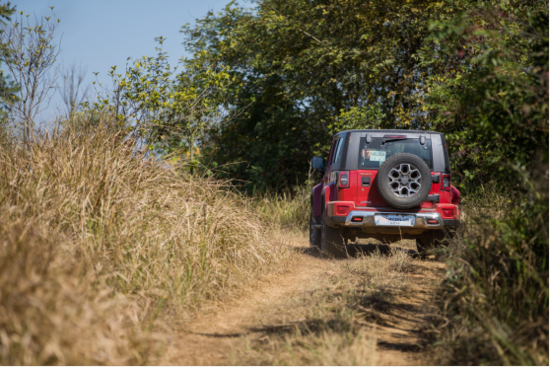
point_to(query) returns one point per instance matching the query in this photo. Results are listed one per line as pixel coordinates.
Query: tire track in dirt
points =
(223, 337)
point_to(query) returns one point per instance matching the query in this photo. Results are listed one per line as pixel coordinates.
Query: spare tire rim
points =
(405, 180)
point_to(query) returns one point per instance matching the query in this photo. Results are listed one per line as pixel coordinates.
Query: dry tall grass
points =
(493, 300)
(289, 211)
(96, 241)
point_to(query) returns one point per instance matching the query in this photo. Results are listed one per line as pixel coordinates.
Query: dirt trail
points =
(272, 307)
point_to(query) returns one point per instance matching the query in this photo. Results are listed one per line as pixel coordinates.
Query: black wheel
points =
(333, 243)
(404, 181)
(314, 230)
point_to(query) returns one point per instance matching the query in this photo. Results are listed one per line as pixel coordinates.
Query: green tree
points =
(168, 110)
(30, 53)
(492, 99)
(8, 88)
(139, 95)
(196, 104)
(303, 67)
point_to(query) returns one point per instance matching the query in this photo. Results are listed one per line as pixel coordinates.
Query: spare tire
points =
(404, 181)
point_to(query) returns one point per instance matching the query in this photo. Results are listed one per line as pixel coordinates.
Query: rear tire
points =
(314, 233)
(333, 243)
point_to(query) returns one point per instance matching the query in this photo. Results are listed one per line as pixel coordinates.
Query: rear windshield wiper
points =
(392, 139)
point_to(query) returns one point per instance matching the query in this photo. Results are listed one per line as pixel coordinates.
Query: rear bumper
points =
(421, 221)
(367, 215)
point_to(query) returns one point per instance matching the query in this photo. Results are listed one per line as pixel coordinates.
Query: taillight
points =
(446, 182)
(448, 213)
(342, 209)
(343, 180)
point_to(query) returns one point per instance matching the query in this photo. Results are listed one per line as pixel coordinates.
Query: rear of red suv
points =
(383, 184)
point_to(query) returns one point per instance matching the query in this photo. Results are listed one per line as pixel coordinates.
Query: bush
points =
(494, 298)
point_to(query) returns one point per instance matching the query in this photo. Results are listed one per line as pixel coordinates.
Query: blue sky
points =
(99, 34)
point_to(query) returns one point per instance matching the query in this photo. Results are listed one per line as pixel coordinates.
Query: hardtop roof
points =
(388, 131)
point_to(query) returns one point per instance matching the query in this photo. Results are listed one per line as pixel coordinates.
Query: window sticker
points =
(377, 156)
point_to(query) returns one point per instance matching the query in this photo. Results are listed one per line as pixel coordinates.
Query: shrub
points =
(494, 298)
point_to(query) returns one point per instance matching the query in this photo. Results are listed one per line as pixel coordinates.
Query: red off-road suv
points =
(383, 184)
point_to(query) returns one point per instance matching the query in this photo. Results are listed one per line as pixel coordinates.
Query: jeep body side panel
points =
(327, 178)
(316, 193)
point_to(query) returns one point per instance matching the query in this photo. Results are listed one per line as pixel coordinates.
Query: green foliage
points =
(140, 94)
(8, 89)
(493, 103)
(169, 111)
(366, 117)
(196, 104)
(303, 67)
(268, 147)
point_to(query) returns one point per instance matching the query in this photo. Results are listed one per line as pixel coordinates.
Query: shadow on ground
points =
(357, 250)
(370, 309)
(374, 312)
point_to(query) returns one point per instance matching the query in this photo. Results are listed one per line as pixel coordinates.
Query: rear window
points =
(338, 154)
(372, 155)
